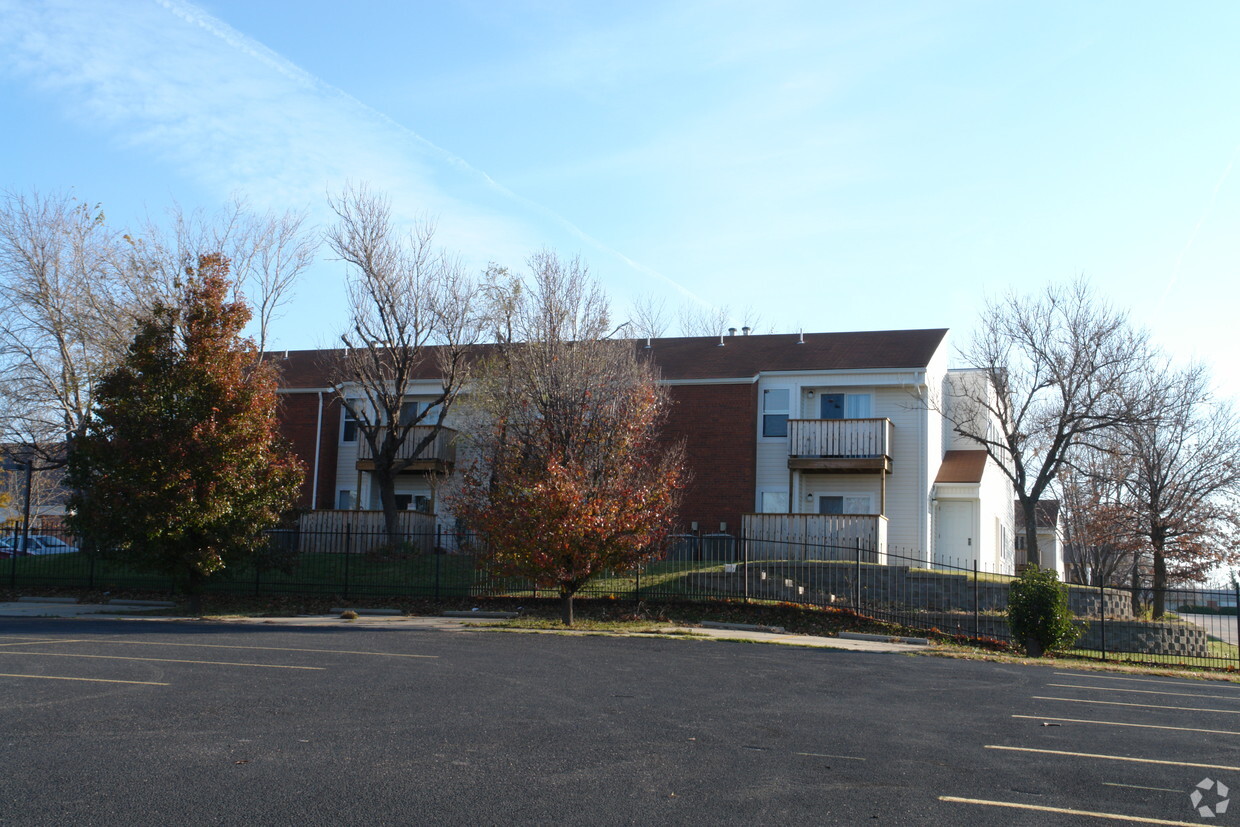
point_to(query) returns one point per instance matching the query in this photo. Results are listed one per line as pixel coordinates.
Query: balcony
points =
(437, 458)
(843, 446)
(816, 536)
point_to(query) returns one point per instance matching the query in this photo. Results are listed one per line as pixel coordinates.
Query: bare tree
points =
(569, 477)
(1057, 368)
(267, 253)
(68, 303)
(1099, 547)
(413, 315)
(648, 318)
(702, 320)
(1181, 477)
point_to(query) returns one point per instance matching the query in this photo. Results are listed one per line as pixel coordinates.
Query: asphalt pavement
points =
(107, 721)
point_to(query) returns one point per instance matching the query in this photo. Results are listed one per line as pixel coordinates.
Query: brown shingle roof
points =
(701, 357)
(962, 466)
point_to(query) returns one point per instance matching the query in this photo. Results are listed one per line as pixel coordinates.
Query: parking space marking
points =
(1114, 757)
(47, 640)
(1139, 787)
(164, 660)
(1120, 723)
(825, 755)
(1144, 691)
(1040, 808)
(122, 641)
(88, 680)
(1216, 684)
(1139, 706)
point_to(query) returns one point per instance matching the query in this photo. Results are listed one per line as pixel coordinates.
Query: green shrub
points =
(1038, 612)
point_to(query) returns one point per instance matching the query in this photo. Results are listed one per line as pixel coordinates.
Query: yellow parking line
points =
(89, 680)
(48, 640)
(1139, 706)
(1114, 757)
(1139, 787)
(1065, 811)
(255, 648)
(163, 660)
(1214, 684)
(1145, 691)
(825, 755)
(1120, 723)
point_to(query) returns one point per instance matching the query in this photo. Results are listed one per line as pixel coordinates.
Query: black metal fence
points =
(1200, 626)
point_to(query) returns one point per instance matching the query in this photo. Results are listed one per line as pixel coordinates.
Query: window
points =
(774, 502)
(345, 500)
(844, 504)
(409, 412)
(775, 412)
(846, 406)
(348, 421)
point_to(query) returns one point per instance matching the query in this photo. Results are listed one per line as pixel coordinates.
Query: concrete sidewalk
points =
(445, 624)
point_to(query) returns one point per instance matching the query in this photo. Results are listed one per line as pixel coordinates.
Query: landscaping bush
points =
(1038, 612)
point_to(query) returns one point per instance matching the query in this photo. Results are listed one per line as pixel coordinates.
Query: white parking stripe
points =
(1139, 706)
(1145, 691)
(1213, 684)
(1114, 757)
(1121, 723)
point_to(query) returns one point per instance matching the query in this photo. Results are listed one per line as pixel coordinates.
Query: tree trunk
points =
(1032, 555)
(1160, 578)
(386, 480)
(566, 607)
(193, 588)
(1136, 587)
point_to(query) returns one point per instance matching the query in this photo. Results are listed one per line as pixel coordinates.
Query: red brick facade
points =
(719, 426)
(299, 422)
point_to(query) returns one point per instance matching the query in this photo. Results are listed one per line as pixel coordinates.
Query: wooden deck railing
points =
(815, 536)
(442, 448)
(844, 438)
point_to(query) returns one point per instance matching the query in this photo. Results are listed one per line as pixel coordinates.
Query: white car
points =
(39, 544)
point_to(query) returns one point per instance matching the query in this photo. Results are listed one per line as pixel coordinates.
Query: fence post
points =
(348, 552)
(745, 566)
(13, 559)
(857, 582)
(976, 600)
(1237, 588)
(1102, 614)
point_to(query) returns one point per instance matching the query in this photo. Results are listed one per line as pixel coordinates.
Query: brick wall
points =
(718, 424)
(299, 414)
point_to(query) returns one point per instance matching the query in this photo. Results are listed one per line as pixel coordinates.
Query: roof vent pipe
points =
(745, 330)
(731, 331)
(801, 338)
(720, 340)
(647, 343)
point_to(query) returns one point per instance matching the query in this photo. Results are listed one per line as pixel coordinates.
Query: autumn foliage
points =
(569, 475)
(182, 468)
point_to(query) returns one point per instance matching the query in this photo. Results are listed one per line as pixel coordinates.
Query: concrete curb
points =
(370, 612)
(47, 600)
(913, 641)
(151, 604)
(499, 615)
(744, 627)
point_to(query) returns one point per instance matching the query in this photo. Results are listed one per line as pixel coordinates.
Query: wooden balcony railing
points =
(815, 536)
(439, 455)
(840, 444)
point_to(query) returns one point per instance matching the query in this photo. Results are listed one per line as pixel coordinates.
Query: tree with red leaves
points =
(569, 476)
(181, 468)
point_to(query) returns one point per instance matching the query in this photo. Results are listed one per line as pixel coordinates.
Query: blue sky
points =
(833, 166)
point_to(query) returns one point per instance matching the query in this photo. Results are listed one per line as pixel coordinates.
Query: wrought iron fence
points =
(1198, 627)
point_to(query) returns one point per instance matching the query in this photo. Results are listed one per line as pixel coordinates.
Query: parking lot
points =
(148, 722)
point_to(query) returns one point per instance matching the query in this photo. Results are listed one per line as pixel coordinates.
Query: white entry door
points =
(956, 543)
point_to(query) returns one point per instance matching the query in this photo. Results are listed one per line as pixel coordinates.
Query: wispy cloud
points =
(230, 114)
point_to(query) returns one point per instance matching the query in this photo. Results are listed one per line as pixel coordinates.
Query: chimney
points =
(745, 330)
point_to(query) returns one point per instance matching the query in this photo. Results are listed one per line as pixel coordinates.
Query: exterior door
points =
(832, 406)
(956, 543)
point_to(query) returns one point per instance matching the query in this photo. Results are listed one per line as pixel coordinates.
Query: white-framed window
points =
(774, 502)
(834, 404)
(776, 406)
(845, 504)
(348, 420)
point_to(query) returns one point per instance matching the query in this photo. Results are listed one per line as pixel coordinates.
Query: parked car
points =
(38, 544)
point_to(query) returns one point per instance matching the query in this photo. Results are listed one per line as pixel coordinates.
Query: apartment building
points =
(836, 438)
